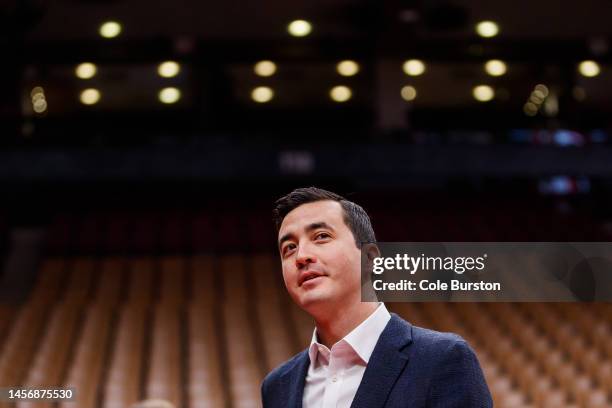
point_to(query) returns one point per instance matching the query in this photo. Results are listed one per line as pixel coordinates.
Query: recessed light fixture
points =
(299, 28)
(262, 94)
(265, 68)
(589, 69)
(110, 29)
(496, 67)
(169, 95)
(487, 29)
(414, 67)
(347, 68)
(90, 96)
(409, 93)
(168, 69)
(483, 93)
(86, 70)
(340, 93)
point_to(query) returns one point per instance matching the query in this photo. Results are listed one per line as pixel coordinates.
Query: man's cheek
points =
(351, 261)
(287, 281)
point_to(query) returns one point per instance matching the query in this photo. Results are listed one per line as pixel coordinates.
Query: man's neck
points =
(333, 326)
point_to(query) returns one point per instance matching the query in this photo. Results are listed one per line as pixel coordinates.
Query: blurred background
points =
(142, 146)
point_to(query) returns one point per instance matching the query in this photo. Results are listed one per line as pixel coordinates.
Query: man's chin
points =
(313, 300)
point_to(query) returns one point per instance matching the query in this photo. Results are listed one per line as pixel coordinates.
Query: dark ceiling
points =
(266, 20)
(218, 43)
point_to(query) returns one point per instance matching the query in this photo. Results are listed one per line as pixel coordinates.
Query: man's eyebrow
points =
(317, 225)
(308, 228)
(284, 238)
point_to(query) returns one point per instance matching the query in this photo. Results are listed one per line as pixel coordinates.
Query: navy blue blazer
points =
(410, 367)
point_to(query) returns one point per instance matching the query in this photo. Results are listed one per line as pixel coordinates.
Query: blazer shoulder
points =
(456, 378)
(435, 341)
(285, 367)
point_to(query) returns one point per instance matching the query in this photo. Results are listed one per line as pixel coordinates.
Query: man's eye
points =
(288, 248)
(322, 235)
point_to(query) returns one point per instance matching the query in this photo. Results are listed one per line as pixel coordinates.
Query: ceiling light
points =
(589, 69)
(265, 68)
(483, 93)
(530, 109)
(169, 95)
(408, 93)
(495, 67)
(340, 93)
(536, 98)
(90, 96)
(262, 94)
(168, 69)
(299, 28)
(40, 105)
(110, 29)
(543, 89)
(551, 105)
(487, 29)
(414, 67)
(37, 90)
(38, 96)
(347, 68)
(86, 70)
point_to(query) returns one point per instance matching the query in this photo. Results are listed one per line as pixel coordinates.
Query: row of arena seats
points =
(116, 329)
(193, 232)
(202, 331)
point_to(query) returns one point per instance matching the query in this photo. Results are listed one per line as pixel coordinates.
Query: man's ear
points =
(369, 251)
(372, 251)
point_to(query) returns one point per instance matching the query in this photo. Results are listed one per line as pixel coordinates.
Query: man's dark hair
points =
(354, 217)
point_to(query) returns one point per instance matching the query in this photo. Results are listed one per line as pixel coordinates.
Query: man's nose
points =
(304, 256)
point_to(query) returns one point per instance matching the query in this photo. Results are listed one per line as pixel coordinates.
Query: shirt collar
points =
(362, 338)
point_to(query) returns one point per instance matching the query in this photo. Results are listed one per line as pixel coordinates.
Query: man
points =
(360, 355)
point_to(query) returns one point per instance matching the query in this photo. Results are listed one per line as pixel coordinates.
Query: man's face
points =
(321, 263)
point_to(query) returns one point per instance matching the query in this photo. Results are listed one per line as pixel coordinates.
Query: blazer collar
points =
(293, 380)
(386, 364)
(388, 360)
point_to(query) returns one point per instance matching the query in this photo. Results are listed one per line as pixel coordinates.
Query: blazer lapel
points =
(385, 365)
(294, 380)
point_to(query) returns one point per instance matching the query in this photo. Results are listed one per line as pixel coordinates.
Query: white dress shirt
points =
(334, 375)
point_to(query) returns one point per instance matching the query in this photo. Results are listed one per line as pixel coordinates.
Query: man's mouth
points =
(308, 276)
